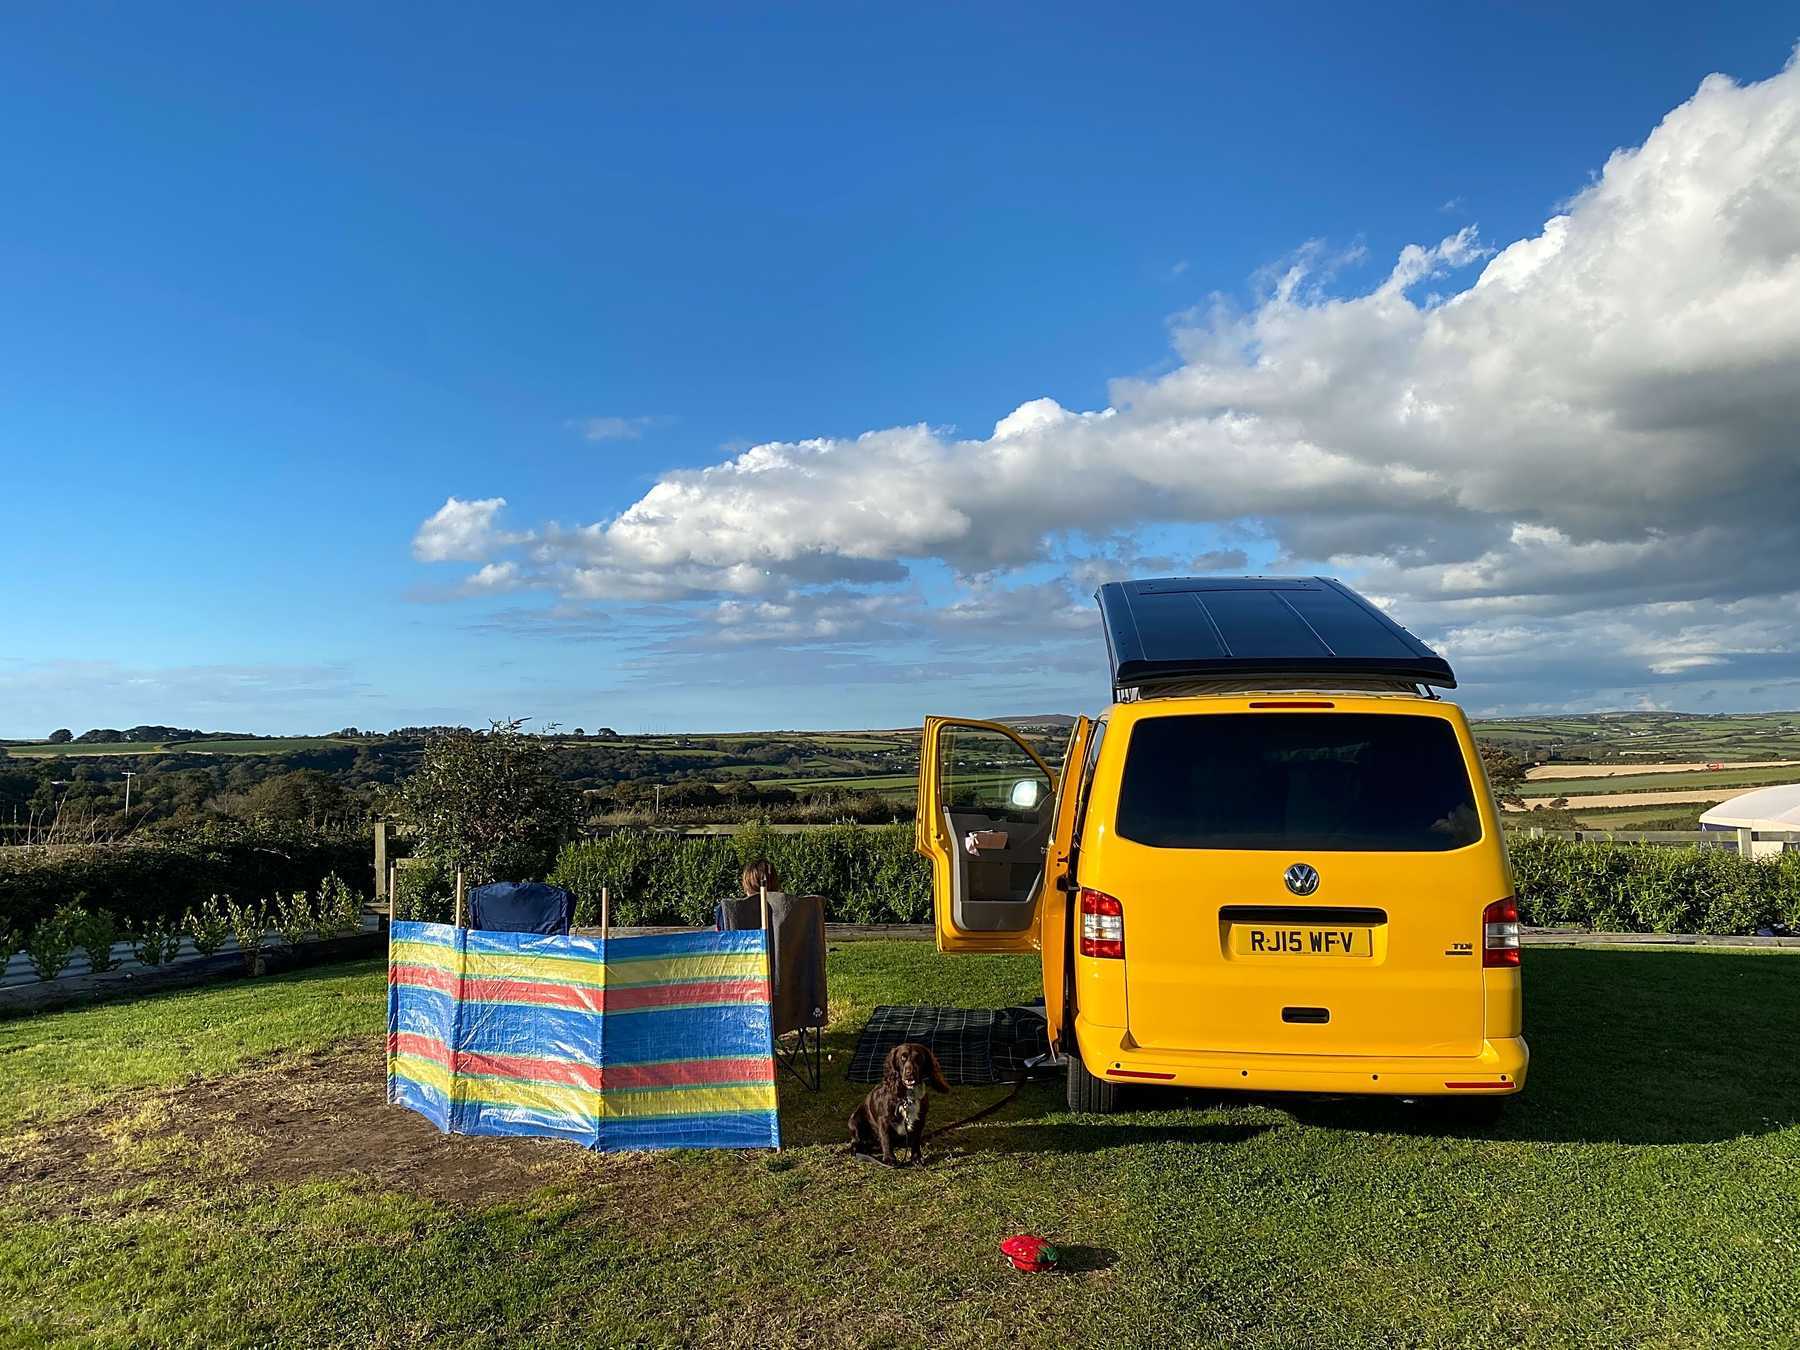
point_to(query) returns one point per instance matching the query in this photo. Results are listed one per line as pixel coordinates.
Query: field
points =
(1642, 1192)
(1648, 736)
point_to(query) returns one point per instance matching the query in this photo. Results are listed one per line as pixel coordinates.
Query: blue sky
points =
(278, 283)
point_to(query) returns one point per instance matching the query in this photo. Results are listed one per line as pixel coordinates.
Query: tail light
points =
(1102, 926)
(1500, 933)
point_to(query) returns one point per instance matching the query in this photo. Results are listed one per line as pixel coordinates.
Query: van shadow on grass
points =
(1686, 1046)
(1654, 1046)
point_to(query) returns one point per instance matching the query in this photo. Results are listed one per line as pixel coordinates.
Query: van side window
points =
(1346, 782)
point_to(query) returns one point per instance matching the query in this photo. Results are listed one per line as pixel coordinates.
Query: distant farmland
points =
(272, 745)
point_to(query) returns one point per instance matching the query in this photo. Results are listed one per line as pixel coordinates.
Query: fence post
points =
(1746, 843)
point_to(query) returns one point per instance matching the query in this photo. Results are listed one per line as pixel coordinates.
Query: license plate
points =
(1300, 941)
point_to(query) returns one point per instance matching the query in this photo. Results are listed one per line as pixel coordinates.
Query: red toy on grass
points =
(1029, 1253)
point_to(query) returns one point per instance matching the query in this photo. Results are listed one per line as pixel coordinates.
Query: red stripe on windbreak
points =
(548, 995)
(531, 1068)
(496, 990)
(675, 995)
(423, 1047)
(693, 1073)
(568, 1072)
(423, 977)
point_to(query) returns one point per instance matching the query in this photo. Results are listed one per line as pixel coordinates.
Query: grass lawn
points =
(1644, 1191)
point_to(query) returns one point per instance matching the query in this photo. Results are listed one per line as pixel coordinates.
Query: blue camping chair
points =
(521, 907)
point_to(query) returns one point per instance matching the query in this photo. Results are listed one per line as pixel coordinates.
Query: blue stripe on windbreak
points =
(428, 1102)
(727, 1129)
(433, 934)
(535, 944)
(729, 1032)
(493, 1119)
(523, 1029)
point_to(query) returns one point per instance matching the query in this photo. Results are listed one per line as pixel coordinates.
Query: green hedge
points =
(867, 874)
(158, 878)
(871, 875)
(1653, 888)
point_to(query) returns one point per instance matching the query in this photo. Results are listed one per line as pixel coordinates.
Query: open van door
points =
(988, 807)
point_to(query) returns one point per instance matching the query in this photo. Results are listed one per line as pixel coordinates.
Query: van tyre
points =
(1090, 1095)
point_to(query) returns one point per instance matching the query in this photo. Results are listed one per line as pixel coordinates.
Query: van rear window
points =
(1344, 782)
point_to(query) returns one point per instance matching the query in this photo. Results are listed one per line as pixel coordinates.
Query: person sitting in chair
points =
(758, 875)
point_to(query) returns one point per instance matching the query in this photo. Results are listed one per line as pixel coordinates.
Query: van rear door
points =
(1304, 879)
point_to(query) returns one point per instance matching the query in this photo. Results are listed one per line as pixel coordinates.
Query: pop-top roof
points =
(1233, 628)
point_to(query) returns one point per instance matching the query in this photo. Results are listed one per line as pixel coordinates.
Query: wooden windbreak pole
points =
(459, 897)
(605, 912)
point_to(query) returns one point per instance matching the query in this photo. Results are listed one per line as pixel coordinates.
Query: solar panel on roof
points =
(1198, 628)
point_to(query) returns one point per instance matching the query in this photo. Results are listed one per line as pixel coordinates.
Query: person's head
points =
(759, 876)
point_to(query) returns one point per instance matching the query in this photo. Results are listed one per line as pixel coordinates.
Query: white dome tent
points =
(1767, 810)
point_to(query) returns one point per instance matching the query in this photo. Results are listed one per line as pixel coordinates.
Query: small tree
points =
(490, 803)
(61, 736)
(1505, 773)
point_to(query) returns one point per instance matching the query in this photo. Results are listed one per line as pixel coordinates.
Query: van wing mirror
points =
(1026, 793)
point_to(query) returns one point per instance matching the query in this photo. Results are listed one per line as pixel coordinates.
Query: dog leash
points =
(989, 1110)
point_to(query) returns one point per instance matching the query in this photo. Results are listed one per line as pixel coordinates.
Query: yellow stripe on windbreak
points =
(616, 1104)
(503, 966)
(410, 953)
(425, 1072)
(557, 1098)
(680, 969)
(556, 969)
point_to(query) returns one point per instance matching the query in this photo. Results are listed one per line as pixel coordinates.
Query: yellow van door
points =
(1304, 883)
(987, 807)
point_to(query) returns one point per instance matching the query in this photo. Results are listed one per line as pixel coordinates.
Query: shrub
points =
(208, 925)
(156, 941)
(425, 891)
(294, 918)
(52, 943)
(340, 909)
(95, 933)
(249, 924)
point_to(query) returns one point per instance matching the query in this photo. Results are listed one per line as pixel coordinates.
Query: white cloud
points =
(462, 531)
(1608, 418)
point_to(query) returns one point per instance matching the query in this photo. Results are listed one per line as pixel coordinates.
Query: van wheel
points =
(1088, 1094)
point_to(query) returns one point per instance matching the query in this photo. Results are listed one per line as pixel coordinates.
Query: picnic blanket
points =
(974, 1046)
(613, 1043)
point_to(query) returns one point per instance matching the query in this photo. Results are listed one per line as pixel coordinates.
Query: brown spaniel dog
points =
(894, 1110)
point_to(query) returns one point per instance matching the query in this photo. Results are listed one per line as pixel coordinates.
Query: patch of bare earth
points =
(322, 1116)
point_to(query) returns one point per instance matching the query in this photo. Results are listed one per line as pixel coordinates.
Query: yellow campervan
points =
(1272, 864)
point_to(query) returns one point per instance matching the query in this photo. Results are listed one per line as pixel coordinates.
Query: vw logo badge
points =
(1302, 878)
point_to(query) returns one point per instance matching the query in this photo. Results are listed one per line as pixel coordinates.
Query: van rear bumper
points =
(1498, 1071)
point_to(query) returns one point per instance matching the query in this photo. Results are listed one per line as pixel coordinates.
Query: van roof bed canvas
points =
(1210, 628)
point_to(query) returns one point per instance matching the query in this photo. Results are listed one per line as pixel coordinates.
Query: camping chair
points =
(521, 907)
(796, 933)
